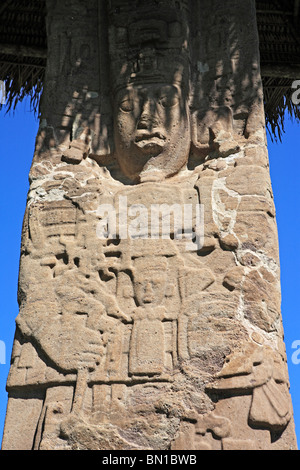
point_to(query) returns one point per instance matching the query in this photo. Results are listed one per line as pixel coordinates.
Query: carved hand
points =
(71, 346)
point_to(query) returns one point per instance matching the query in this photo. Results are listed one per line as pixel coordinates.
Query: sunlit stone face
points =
(152, 131)
(150, 288)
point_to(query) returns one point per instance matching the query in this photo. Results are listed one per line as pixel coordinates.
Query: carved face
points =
(152, 131)
(150, 288)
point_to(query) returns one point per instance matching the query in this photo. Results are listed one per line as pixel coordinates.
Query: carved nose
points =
(147, 122)
(148, 119)
(143, 122)
(149, 289)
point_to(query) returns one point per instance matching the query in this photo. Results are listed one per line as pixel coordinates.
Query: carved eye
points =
(126, 105)
(169, 98)
(156, 281)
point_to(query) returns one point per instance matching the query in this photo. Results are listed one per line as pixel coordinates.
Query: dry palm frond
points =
(279, 33)
(21, 80)
(22, 32)
(279, 105)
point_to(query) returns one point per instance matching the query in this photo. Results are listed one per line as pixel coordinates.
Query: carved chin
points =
(151, 160)
(153, 147)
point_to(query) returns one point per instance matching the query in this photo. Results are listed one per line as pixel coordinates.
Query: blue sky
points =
(17, 137)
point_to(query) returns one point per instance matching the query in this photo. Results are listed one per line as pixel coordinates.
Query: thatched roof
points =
(23, 49)
(23, 52)
(279, 33)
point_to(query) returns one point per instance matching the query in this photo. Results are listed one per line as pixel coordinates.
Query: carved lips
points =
(150, 140)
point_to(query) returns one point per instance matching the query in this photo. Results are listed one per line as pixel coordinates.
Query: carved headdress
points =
(148, 265)
(149, 46)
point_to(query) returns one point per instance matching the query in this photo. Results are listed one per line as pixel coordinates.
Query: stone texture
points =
(150, 341)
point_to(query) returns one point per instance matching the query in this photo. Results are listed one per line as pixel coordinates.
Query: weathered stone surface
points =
(132, 334)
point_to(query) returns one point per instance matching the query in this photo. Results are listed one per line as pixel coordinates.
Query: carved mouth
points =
(148, 300)
(157, 138)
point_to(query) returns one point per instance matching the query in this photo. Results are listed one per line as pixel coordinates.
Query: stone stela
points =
(138, 343)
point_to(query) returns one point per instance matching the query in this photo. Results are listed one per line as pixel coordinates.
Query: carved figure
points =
(148, 357)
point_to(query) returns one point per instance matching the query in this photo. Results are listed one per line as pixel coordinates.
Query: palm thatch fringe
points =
(21, 79)
(279, 106)
(22, 39)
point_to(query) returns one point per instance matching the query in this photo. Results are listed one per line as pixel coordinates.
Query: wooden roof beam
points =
(21, 64)
(23, 51)
(296, 10)
(276, 12)
(281, 71)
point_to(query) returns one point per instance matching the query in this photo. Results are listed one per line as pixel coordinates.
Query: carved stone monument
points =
(132, 336)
